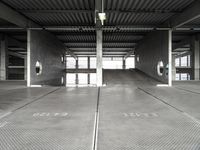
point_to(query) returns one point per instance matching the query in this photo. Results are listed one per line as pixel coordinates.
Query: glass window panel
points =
(188, 76)
(110, 63)
(177, 76)
(189, 61)
(93, 62)
(183, 76)
(117, 58)
(107, 58)
(184, 61)
(83, 78)
(71, 63)
(82, 62)
(130, 62)
(177, 62)
(71, 78)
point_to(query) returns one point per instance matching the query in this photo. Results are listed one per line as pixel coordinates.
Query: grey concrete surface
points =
(9, 85)
(99, 58)
(128, 77)
(3, 57)
(152, 49)
(133, 119)
(48, 50)
(133, 114)
(192, 86)
(13, 96)
(183, 96)
(62, 120)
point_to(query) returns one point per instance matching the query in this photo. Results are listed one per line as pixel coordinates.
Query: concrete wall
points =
(155, 47)
(47, 49)
(195, 58)
(3, 57)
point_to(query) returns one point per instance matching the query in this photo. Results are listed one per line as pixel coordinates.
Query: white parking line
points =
(4, 115)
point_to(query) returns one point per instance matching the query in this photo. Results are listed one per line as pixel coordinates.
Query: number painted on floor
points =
(138, 115)
(46, 114)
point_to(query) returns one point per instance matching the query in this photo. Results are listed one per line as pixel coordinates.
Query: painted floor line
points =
(9, 113)
(177, 109)
(186, 90)
(96, 124)
(4, 115)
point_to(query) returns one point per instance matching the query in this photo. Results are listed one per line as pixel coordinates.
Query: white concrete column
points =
(28, 57)
(77, 71)
(124, 63)
(196, 60)
(99, 49)
(25, 68)
(4, 58)
(170, 58)
(88, 69)
(173, 67)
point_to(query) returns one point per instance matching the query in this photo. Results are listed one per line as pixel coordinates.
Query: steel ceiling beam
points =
(125, 51)
(16, 18)
(189, 14)
(16, 54)
(89, 47)
(84, 49)
(117, 43)
(145, 28)
(107, 42)
(159, 11)
(129, 53)
(183, 42)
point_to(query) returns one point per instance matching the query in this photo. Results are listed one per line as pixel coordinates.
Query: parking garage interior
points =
(99, 74)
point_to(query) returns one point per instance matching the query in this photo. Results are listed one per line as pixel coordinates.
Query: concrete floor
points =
(133, 114)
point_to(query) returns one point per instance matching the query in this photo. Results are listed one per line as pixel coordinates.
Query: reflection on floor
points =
(132, 114)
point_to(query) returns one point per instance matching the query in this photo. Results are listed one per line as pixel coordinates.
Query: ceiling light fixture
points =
(102, 17)
(102, 14)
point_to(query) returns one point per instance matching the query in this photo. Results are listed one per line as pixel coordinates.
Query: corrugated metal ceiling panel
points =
(87, 18)
(126, 12)
(136, 18)
(76, 38)
(147, 4)
(51, 4)
(62, 19)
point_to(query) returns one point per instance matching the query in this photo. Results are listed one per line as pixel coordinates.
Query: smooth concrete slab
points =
(62, 120)
(131, 119)
(184, 98)
(14, 98)
(127, 77)
(134, 114)
(191, 86)
(10, 85)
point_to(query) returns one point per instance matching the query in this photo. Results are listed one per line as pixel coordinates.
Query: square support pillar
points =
(170, 58)
(25, 68)
(173, 67)
(77, 71)
(196, 50)
(88, 69)
(124, 64)
(99, 49)
(4, 58)
(28, 57)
